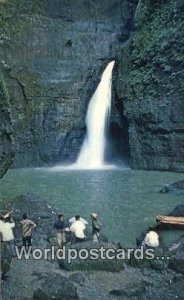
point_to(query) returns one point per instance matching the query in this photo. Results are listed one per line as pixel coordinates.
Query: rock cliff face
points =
(150, 85)
(6, 140)
(53, 53)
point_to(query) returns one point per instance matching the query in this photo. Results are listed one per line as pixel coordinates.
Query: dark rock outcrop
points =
(77, 277)
(158, 261)
(30, 203)
(54, 55)
(176, 261)
(130, 291)
(176, 187)
(150, 86)
(171, 291)
(164, 259)
(5, 259)
(6, 132)
(178, 211)
(56, 287)
(90, 250)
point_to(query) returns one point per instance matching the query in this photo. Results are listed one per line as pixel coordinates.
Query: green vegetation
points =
(153, 62)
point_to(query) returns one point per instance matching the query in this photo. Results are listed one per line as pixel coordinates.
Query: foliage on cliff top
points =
(153, 63)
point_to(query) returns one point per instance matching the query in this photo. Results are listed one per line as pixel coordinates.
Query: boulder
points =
(178, 211)
(176, 261)
(169, 292)
(102, 237)
(176, 187)
(159, 265)
(158, 262)
(77, 277)
(92, 262)
(5, 258)
(134, 289)
(56, 287)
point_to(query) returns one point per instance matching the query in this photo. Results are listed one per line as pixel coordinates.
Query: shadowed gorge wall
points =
(54, 53)
(150, 84)
(6, 132)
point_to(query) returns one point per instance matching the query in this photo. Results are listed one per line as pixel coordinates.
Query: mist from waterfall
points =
(92, 153)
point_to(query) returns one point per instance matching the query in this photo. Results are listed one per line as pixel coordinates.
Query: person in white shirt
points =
(6, 230)
(151, 239)
(78, 228)
(73, 219)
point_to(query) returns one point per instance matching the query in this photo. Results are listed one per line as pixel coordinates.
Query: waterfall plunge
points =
(93, 149)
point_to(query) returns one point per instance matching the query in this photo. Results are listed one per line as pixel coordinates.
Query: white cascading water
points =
(97, 118)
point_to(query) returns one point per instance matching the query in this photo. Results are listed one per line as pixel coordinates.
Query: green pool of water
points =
(126, 200)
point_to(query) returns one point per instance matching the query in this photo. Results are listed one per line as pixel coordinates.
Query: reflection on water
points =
(126, 200)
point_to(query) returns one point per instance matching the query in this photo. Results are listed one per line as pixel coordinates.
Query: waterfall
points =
(97, 118)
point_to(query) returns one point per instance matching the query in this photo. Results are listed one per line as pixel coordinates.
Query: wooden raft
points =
(170, 220)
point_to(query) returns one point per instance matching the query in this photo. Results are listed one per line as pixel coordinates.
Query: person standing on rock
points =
(151, 239)
(60, 226)
(96, 227)
(6, 229)
(78, 228)
(27, 228)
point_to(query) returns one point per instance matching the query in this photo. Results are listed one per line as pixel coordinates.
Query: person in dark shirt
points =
(60, 233)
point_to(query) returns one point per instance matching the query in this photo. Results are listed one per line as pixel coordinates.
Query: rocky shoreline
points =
(52, 279)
